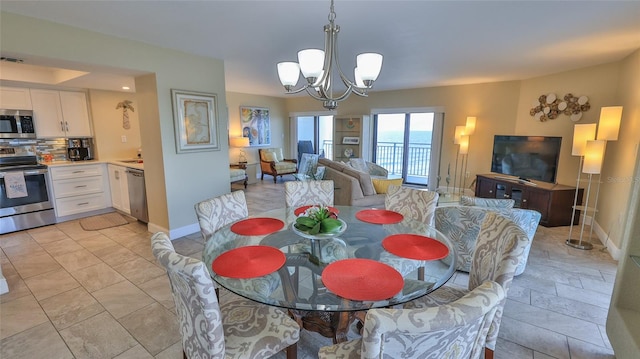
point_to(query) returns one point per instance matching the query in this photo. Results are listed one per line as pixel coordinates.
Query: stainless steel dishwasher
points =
(137, 195)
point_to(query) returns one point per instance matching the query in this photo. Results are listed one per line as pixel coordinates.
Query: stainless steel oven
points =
(32, 210)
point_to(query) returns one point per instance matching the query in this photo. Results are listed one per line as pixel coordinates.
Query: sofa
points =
(352, 187)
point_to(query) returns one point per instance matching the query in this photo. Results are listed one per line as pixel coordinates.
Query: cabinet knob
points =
(506, 196)
(490, 191)
(524, 201)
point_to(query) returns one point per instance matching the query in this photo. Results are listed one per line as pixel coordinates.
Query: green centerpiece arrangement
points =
(319, 221)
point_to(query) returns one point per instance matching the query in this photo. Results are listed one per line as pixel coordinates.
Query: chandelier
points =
(317, 67)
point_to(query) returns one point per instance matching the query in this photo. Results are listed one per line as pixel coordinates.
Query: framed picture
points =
(256, 125)
(195, 121)
(350, 140)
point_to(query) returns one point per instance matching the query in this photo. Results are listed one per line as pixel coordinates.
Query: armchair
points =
(272, 162)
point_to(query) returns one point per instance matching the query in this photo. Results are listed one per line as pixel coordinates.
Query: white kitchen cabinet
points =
(119, 188)
(60, 113)
(79, 188)
(15, 98)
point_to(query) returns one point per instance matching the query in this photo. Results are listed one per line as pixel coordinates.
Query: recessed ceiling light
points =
(126, 88)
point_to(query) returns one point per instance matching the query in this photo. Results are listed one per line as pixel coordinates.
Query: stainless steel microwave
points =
(17, 124)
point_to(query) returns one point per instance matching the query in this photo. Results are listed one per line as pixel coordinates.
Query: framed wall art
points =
(256, 125)
(195, 120)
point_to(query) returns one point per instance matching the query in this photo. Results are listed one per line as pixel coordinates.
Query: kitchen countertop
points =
(139, 166)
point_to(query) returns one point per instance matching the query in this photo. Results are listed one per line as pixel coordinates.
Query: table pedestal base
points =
(334, 325)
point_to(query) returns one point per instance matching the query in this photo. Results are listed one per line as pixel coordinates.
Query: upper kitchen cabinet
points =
(15, 98)
(60, 113)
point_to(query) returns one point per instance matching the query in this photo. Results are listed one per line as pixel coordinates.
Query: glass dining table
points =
(300, 284)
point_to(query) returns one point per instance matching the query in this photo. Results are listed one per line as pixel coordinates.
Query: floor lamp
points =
(459, 132)
(464, 150)
(581, 134)
(469, 129)
(593, 156)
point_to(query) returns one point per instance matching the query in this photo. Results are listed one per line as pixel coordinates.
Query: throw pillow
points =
(278, 154)
(359, 164)
(381, 185)
(269, 156)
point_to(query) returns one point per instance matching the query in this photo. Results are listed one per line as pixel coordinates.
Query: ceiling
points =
(424, 43)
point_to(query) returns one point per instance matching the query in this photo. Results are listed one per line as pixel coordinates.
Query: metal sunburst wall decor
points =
(549, 107)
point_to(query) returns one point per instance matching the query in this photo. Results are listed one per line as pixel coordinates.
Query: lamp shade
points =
(369, 65)
(593, 156)
(464, 144)
(239, 141)
(470, 127)
(609, 124)
(582, 134)
(288, 72)
(311, 62)
(459, 132)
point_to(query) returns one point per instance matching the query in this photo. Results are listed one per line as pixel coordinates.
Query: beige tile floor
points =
(100, 294)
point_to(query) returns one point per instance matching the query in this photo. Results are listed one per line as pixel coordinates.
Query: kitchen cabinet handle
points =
(83, 203)
(61, 126)
(66, 125)
(77, 172)
(81, 186)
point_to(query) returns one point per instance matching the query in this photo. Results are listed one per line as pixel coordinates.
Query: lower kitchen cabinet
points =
(119, 188)
(79, 189)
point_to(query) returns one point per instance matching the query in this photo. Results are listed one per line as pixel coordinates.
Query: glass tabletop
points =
(298, 283)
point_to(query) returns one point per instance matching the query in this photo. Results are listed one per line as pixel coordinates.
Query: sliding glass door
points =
(404, 145)
(318, 129)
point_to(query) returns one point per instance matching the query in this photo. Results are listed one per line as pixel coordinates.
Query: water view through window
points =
(403, 145)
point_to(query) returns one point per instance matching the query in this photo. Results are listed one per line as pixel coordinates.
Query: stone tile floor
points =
(100, 294)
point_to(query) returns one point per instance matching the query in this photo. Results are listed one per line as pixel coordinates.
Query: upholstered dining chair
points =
(234, 329)
(455, 330)
(302, 193)
(527, 219)
(500, 245)
(487, 202)
(416, 204)
(217, 212)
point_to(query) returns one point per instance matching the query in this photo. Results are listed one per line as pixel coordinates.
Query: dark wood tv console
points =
(553, 201)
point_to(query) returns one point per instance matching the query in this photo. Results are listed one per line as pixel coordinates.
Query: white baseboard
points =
(175, 233)
(602, 236)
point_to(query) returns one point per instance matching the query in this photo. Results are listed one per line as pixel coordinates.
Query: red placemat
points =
(248, 262)
(414, 246)
(257, 226)
(300, 210)
(379, 216)
(362, 279)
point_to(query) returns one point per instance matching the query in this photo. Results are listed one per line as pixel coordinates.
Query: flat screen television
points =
(526, 157)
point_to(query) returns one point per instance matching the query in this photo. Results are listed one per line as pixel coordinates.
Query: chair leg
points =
(292, 351)
(275, 178)
(488, 353)
(184, 355)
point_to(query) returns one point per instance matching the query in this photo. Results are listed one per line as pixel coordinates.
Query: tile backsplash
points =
(57, 147)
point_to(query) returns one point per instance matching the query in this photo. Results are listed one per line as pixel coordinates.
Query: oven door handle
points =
(29, 172)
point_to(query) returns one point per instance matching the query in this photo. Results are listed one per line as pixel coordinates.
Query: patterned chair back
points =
(500, 246)
(217, 212)
(197, 307)
(487, 202)
(303, 193)
(461, 225)
(455, 330)
(416, 204)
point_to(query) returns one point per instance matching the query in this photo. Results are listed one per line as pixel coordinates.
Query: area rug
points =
(103, 221)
